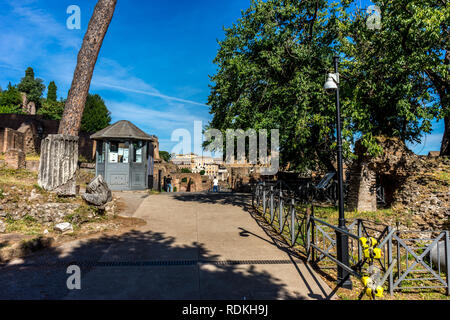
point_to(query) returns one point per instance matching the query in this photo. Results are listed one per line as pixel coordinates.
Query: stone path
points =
(194, 246)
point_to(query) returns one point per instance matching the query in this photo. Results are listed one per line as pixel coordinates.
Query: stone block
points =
(97, 192)
(15, 159)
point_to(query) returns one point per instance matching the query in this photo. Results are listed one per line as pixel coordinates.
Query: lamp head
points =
(331, 85)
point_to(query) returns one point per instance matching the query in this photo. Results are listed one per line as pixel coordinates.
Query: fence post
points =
(292, 222)
(313, 232)
(447, 260)
(271, 205)
(391, 275)
(264, 198)
(308, 236)
(280, 211)
(253, 195)
(360, 253)
(399, 256)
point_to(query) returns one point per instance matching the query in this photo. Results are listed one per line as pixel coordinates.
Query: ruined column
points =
(58, 164)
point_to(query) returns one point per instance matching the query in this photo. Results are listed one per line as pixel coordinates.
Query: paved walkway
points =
(194, 246)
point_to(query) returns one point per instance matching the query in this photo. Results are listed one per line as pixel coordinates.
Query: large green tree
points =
(33, 87)
(272, 65)
(52, 94)
(96, 115)
(397, 77)
(271, 70)
(11, 97)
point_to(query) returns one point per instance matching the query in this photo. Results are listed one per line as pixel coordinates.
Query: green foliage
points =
(386, 72)
(185, 170)
(271, 71)
(96, 115)
(52, 110)
(165, 156)
(273, 61)
(11, 97)
(202, 173)
(10, 109)
(52, 92)
(32, 86)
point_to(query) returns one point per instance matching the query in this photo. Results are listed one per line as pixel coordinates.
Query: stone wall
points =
(362, 188)
(190, 182)
(165, 169)
(34, 129)
(423, 199)
(241, 178)
(15, 159)
(29, 107)
(388, 169)
(11, 139)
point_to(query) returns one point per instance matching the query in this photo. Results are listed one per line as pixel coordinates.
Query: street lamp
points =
(331, 86)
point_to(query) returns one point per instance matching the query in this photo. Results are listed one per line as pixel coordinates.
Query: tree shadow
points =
(139, 264)
(242, 200)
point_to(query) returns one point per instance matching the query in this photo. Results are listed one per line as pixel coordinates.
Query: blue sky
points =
(154, 65)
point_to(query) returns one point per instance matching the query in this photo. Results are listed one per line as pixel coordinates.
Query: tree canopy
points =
(33, 87)
(165, 156)
(11, 97)
(273, 62)
(52, 92)
(396, 78)
(96, 115)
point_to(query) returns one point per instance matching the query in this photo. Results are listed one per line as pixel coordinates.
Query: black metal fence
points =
(409, 260)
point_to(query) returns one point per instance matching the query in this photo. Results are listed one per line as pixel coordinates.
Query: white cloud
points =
(173, 118)
(28, 32)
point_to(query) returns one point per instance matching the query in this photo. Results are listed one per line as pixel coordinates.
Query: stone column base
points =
(58, 164)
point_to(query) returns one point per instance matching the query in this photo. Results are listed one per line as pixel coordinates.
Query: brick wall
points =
(362, 188)
(10, 139)
(29, 126)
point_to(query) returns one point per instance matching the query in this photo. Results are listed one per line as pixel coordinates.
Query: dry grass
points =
(28, 157)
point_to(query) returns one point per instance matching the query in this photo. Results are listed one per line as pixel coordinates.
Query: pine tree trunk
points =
(445, 148)
(87, 58)
(59, 153)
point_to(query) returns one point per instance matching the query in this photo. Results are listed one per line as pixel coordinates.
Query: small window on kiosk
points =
(138, 153)
(119, 152)
(101, 152)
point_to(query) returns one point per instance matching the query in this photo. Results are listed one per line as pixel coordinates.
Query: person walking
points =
(216, 185)
(169, 184)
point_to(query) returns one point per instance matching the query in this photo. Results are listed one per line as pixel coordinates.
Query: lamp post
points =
(332, 85)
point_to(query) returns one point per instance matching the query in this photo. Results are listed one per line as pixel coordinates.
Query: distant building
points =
(198, 164)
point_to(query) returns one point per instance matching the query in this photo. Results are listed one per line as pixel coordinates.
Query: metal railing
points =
(405, 261)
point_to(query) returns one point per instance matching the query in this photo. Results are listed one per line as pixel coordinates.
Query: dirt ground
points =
(27, 236)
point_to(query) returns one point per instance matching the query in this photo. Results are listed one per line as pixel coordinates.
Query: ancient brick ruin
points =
(26, 132)
(411, 183)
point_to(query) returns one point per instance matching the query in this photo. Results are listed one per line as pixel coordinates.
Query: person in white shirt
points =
(216, 185)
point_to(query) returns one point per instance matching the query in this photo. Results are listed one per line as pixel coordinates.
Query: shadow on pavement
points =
(137, 265)
(241, 200)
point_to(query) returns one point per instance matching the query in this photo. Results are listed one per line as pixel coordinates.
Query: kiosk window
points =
(101, 152)
(119, 152)
(138, 152)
